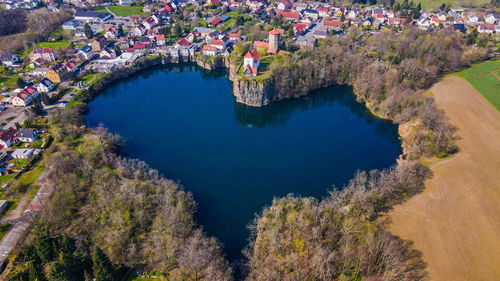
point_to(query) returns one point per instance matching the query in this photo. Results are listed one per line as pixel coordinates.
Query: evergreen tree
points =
(88, 31)
(20, 82)
(34, 272)
(120, 29)
(66, 250)
(37, 107)
(58, 272)
(46, 99)
(44, 245)
(102, 266)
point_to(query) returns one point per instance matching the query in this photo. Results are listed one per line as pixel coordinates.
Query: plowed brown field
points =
(455, 221)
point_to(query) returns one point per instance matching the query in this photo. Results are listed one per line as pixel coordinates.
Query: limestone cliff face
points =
(252, 93)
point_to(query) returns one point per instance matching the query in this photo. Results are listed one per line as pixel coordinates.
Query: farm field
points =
(428, 4)
(454, 221)
(485, 77)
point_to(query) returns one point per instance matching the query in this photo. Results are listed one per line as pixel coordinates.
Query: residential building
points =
(209, 50)
(45, 86)
(98, 44)
(9, 59)
(86, 52)
(92, 16)
(7, 137)
(45, 54)
(27, 135)
(22, 153)
(284, 5)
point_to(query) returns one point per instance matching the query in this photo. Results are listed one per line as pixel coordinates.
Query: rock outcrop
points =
(252, 93)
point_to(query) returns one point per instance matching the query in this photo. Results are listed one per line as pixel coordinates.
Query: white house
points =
(125, 2)
(86, 52)
(27, 135)
(284, 5)
(209, 50)
(251, 62)
(490, 18)
(9, 59)
(22, 153)
(473, 19)
(45, 86)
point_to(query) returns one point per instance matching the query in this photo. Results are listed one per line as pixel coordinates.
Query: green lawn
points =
(122, 11)
(3, 229)
(30, 177)
(485, 78)
(55, 45)
(6, 178)
(8, 81)
(428, 4)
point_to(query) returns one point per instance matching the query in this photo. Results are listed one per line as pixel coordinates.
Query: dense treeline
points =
(338, 238)
(25, 28)
(121, 206)
(389, 71)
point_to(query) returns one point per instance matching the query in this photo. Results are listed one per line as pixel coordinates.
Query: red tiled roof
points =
(261, 44)
(8, 134)
(289, 15)
(253, 54)
(335, 23)
(183, 42)
(234, 35)
(160, 37)
(276, 31)
(217, 42)
(215, 21)
(253, 70)
(208, 48)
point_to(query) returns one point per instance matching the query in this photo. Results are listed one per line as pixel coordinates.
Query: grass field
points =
(486, 79)
(55, 45)
(427, 4)
(122, 11)
(8, 81)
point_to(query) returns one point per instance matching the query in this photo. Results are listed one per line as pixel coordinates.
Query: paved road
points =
(21, 225)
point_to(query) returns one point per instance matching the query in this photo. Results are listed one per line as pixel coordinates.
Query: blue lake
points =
(235, 159)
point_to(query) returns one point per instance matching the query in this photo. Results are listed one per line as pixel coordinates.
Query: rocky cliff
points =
(252, 93)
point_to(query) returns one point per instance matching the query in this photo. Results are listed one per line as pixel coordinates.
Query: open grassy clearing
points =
(428, 4)
(122, 11)
(55, 45)
(485, 78)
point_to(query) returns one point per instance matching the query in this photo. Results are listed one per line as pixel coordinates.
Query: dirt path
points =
(455, 222)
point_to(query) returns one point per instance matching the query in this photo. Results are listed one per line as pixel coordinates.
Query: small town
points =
(86, 42)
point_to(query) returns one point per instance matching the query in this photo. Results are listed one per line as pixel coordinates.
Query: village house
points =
(149, 23)
(57, 73)
(312, 14)
(333, 24)
(284, 5)
(45, 54)
(112, 32)
(486, 28)
(160, 40)
(27, 135)
(289, 16)
(92, 16)
(39, 72)
(251, 61)
(107, 53)
(209, 50)
(490, 18)
(86, 52)
(234, 37)
(139, 30)
(98, 44)
(71, 66)
(8, 59)
(22, 153)
(45, 86)
(7, 138)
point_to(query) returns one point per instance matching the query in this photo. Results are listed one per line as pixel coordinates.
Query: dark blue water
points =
(234, 159)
